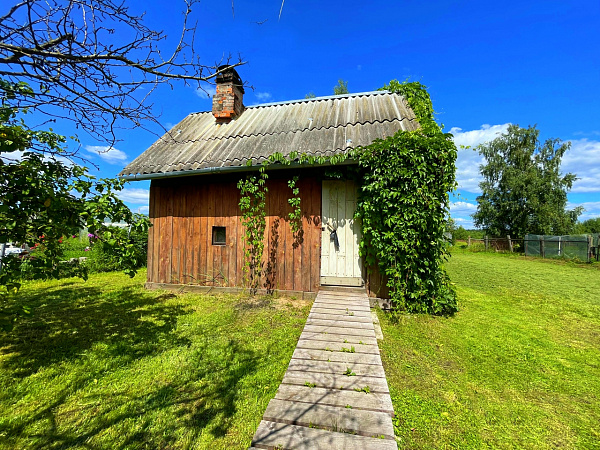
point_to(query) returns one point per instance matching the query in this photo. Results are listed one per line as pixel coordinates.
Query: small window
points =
(219, 236)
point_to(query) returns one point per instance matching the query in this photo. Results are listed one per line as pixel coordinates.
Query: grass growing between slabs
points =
(517, 367)
(107, 364)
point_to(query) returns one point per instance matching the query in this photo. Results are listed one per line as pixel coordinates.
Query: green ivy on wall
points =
(403, 204)
(295, 215)
(404, 208)
(253, 190)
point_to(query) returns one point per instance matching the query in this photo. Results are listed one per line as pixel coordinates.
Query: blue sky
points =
(487, 64)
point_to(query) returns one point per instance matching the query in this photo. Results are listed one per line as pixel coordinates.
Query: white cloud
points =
(143, 209)
(461, 213)
(136, 196)
(466, 223)
(475, 137)
(17, 156)
(583, 159)
(207, 92)
(462, 208)
(107, 154)
(592, 209)
(263, 96)
(469, 160)
(589, 133)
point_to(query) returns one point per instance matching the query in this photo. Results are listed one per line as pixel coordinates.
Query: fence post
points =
(485, 239)
(510, 248)
(542, 247)
(589, 246)
(469, 242)
(525, 241)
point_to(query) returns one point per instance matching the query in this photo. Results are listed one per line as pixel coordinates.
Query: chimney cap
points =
(229, 74)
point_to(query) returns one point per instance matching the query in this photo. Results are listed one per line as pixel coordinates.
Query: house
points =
(197, 238)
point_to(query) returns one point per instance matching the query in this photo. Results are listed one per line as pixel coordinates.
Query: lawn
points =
(107, 364)
(517, 367)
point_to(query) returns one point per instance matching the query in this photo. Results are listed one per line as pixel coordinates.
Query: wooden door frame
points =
(334, 280)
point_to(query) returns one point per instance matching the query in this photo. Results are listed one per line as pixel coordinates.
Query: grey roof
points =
(321, 126)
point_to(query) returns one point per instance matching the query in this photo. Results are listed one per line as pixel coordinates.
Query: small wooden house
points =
(197, 237)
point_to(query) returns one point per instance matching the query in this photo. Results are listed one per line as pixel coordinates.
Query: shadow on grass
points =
(192, 395)
(67, 321)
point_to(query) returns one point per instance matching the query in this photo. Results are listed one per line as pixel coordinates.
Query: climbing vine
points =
(253, 190)
(295, 215)
(403, 206)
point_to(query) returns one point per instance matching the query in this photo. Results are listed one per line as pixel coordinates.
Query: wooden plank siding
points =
(184, 210)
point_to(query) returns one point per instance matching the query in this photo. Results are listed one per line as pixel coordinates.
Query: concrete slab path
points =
(334, 394)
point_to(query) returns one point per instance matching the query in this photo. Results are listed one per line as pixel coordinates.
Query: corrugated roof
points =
(319, 126)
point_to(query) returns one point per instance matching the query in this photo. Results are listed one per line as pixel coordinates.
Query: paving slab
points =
(336, 381)
(333, 356)
(336, 397)
(364, 423)
(342, 323)
(331, 329)
(343, 311)
(283, 436)
(341, 338)
(336, 346)
(342, 317)
(307, 365)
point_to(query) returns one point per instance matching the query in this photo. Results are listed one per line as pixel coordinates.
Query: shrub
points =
(100, 257)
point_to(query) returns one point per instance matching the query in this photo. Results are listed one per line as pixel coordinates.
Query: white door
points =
(340, 262)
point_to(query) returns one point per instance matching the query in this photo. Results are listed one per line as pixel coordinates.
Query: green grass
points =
(517, 367)
(107, 364)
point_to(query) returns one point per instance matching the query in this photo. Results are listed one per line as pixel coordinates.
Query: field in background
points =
(106, 364)
(517, 367)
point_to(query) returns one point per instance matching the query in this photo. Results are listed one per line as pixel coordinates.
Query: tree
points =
(94, 63)
(44, 198)
(341, 88)
(523, 190)
(588, 226)
(74, 55)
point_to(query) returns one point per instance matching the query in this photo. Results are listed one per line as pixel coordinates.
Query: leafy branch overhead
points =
(43, 199)
(72, 52)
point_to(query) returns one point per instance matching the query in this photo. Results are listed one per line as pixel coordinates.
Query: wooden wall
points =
(184, 210)
(376, 284)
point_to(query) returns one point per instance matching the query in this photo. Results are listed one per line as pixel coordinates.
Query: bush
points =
(101, 259)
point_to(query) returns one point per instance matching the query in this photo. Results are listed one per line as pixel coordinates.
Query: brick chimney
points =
(227, 102)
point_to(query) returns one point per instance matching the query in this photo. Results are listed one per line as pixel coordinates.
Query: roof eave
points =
(227, 169)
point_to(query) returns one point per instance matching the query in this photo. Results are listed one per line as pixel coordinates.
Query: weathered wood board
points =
(334, 394)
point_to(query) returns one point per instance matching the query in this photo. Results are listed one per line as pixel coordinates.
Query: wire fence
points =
(581, 247)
